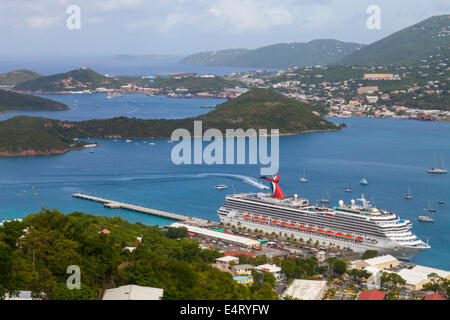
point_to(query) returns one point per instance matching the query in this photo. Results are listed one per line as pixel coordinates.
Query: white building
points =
(273, 269)
(306, 289)
(226, 262)
(133, 292)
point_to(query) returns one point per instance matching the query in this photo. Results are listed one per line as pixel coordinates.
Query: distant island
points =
(13, 101)
(12, 78)
(257, 109)
(282, 55)
(72, 81)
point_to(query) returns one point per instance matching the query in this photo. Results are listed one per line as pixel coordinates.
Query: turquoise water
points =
(391, 154)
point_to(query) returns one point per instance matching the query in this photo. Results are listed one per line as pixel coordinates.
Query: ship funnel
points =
(276, 190)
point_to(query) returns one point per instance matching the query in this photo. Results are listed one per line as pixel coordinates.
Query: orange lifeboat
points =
(339, 234)
(293, 225)
(301, 227)
(358, 239)
(348, 236)
(247, 217)
(310, 229)
(274, 221)
(328, 232)
(284, 224)
(319, 230)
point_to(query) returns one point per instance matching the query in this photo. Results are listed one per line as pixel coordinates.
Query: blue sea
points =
(390, 153)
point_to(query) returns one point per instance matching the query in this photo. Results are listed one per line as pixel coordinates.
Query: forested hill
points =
(256, 109)
(75, 80)
(282, 55)
(16, 76)
(36, 252)
(10, 101)
(412, 45)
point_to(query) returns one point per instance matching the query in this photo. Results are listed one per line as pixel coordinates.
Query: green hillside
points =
(257, 109)
(407, 47)
(36, 253)
(10, 101)
(316, 52)
(75, 80)
(14, 77)
(195, 83)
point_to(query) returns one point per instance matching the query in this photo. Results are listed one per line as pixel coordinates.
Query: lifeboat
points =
(339, 234)
(264, 220)
(293, 225)
(274, 221)
(328, 232)
(348, 236)
(301, 227)
(247, 217)
(310, 229)
(284, 224)
(319, 230)
(358, 239)
(255, 218)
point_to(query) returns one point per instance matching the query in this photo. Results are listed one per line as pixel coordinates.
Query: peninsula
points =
(257, 109)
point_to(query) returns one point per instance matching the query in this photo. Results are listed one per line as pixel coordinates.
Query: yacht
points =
(364, 182)
(408, 195)
(221, 187)
(426, 219)
(436, 170)
(303, 179)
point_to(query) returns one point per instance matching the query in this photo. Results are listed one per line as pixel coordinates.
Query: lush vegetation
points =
(14, 77)
(17, 101)
(75, 80)
(411, 45)
(195, 84)
(258, 108)
(35, 254)
(282, 55)
(368, 254)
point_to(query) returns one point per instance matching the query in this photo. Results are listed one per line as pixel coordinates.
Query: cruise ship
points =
(357, 226)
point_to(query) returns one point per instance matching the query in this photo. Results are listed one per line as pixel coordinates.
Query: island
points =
(14, 77)
(256, 109)
(13, 101)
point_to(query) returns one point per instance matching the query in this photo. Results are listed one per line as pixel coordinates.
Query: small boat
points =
(152, 143)
(441, 202)
(364, 182)
(348, 189)
(221, 187)
(91, 151)
(426, 219)
(436, 170)
(408, 195)
(432, 210)
(303, 179)
(128, 141)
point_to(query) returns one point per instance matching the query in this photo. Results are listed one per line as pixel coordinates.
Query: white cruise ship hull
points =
(383, 245)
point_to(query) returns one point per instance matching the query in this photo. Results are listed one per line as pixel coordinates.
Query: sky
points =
(182, 27)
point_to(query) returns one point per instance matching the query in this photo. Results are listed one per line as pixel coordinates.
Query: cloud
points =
(42, 22)
(253, 15)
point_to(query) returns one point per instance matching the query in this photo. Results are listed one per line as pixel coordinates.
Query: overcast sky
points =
(180, 27)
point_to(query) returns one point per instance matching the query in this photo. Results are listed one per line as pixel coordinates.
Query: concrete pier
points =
(120, 205)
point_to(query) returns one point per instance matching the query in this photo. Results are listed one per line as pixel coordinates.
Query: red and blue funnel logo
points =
(276, 190)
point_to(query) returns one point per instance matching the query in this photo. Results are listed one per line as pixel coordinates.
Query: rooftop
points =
(306, 289)
(133, 292)
(227, 259)
(269, 268)
(379, 260)
(371, 295)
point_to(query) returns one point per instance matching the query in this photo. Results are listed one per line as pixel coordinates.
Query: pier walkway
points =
(120, 205)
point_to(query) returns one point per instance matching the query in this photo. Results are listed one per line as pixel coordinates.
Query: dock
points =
(120, 205)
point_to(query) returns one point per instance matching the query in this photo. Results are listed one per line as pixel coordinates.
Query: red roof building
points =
(105, 231)
(371, 295)
(434, 297)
